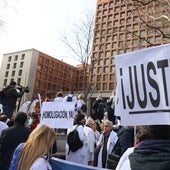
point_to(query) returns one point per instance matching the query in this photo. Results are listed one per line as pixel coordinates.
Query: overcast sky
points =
(39, 23)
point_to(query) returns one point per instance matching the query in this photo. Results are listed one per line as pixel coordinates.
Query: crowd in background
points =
(26, 144)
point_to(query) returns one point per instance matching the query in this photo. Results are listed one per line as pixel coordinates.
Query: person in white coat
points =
(107, 141)
(59, 97)
(70, 97)
(79, 156)
(90, 140)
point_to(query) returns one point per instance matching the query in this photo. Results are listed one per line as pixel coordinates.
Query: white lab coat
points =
(89, 143)
(41, 164)
(124, 162)
(80, 155)
(110, 144)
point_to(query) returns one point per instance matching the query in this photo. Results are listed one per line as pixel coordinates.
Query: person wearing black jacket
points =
(11, 137)
(11, 99)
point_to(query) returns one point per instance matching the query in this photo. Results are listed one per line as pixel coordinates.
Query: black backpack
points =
(74, 141)
(69, 99)
(3, 96)
(84, 108)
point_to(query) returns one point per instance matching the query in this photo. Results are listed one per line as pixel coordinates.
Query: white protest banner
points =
(58, 114)
(143, 81)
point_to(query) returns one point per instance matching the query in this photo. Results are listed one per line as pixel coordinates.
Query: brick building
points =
(40, 72)
(119, 29)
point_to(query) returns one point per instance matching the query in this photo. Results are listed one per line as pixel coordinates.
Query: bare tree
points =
(155, 15)
(79, 44)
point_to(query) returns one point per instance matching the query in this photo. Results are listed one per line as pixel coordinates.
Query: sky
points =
(39, 24)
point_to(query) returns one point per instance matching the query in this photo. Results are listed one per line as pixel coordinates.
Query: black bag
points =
(96, 154)
(84, 108)
(3, 96)
(69, 99)
(74, 141)
(113, 159)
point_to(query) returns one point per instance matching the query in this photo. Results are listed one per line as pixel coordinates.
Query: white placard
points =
(58, 114)
(143, 81)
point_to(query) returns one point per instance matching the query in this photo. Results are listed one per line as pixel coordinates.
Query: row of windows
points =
(119, 45)
(14, 65)
(13, 73)
(103, 86)
(16, 58)
(12, 79)
(51, 63)
(104, 77)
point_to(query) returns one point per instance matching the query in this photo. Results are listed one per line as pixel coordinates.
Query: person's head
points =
(80, 96)
(158, 132)
(99, 97)
(34, 115)
(72, 92)
(39, 144)
(59, 94)
(90, 122)
(10, 123)
(80, 118)
(3, 118)
(13, 84)
(20, 117)
(107, 126)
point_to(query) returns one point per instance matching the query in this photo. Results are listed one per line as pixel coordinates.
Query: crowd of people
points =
(26, 144)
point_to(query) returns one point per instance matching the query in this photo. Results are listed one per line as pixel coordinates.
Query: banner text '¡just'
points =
(57, 114)
(148, 73)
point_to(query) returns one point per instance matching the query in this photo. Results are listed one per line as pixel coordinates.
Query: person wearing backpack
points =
(79, 155)
(81, 104)
(11, 98)
(70, 97)
(98, 108)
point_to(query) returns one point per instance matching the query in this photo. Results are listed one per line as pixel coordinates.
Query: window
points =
(100, 62)
(6, 74)
(98, 86)
(135, 26)
(111, 86)
(107, 62)
(5, 82)
(9, 58)
(18, 80)
(112, 69)
(21, 64)
(23, 56)
(106, 69)
(14, 65)
(19, 72)
(16, 57)
(8, 66)
(104, 86)
(100, 70)
(13, 73)
(105, 77)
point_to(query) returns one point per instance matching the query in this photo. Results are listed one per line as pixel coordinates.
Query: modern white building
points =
(21, 67)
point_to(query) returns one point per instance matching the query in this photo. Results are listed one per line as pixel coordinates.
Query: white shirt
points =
(58, 99)
(124, 162)
(41, 164)
(74, 98)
